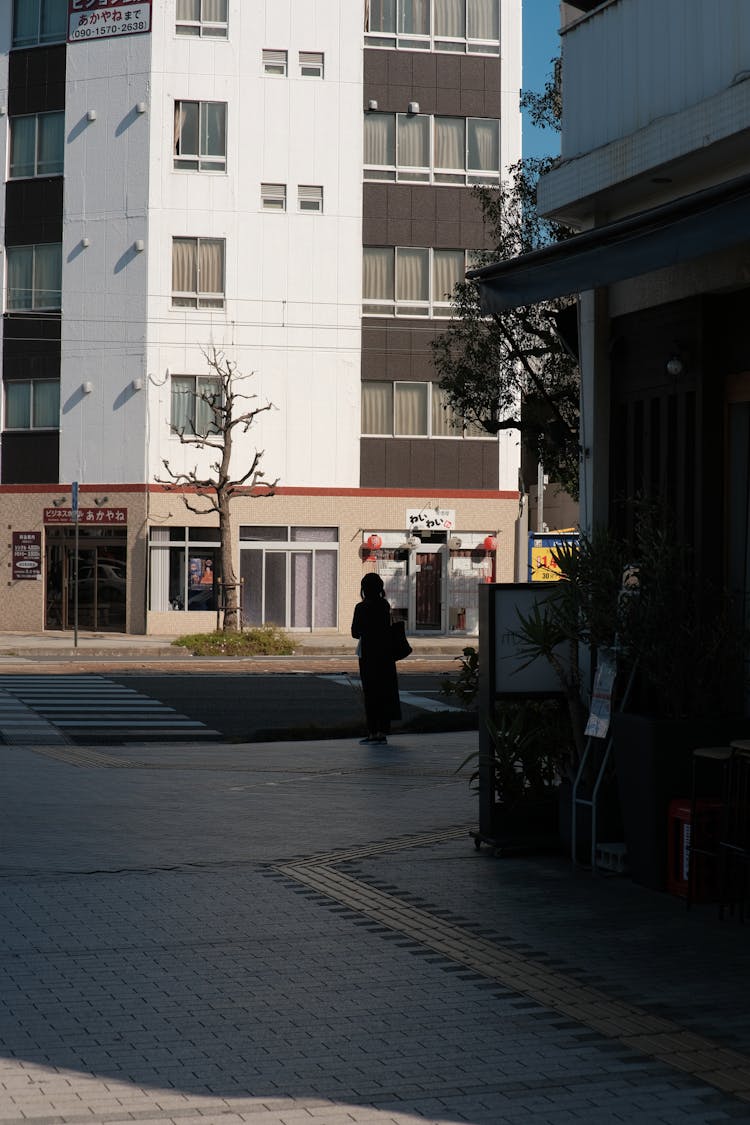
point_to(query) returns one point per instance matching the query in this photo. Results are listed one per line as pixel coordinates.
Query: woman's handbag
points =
(400, 647)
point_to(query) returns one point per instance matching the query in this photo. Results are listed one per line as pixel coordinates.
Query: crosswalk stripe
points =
(53, 709)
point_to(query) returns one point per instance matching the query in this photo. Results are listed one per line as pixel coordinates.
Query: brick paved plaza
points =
(298, 933)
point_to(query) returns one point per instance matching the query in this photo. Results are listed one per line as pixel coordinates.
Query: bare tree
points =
(218, 412)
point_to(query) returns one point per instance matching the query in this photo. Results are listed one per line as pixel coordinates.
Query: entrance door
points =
(102, 574)
(429, 585)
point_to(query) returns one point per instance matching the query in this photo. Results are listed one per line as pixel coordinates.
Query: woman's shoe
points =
(380, 740)
(367, 741)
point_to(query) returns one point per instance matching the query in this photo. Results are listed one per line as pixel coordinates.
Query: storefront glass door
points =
(102, 582)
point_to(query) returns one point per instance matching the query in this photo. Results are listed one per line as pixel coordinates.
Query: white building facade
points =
(187, 175)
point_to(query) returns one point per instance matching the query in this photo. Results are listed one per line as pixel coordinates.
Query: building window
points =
(439, 150)
(37, 145)
(410, 280)
(311, 64)
(275, 63)
(437, 25)
(194, 403)
(412, 410)
(198, 273)
(200, 136)
(32, 404)
(290, 576)
(34, 276)
(273, 197)
(39, 21)
(184, 569)
(206, 18)
(309, 198)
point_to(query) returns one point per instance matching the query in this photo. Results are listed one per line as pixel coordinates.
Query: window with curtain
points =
(198, 273)
(202, 18)
(410, 280)
(193, 404)
(39, 21)
(410, 409)
(450, 25)
(377, 279)
(34, 276)
(37, 144)
(404, 409)
(377, 408)
(483, 146)
(421, 148)
(413, 144)
(380, 144)
(200, 136)
(32, 404)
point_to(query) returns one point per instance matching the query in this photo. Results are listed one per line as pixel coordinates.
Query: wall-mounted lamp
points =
(59, 502)
(675, 366)
(137, 384)
(413, 107)
(87, 388)
(85, 242)
(3, 110)
(99, 500)
(91, 115)
(139, 245)
(140, 107)
(372, 105)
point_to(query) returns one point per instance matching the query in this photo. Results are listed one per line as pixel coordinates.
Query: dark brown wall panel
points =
(421, 215)
(428, 464)
(33, 211)
(36, 80)
(30, 458)
(399, 349)
(31, 346)
(455, 85)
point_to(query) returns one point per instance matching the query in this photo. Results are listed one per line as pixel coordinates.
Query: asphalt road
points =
(259, 707)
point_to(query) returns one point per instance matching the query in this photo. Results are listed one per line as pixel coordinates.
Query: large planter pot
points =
(653, 761)
(529, 825)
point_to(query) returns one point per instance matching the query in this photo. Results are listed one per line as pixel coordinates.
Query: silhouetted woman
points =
(377, 668)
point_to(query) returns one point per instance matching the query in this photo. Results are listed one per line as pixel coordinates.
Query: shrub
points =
(266, 640)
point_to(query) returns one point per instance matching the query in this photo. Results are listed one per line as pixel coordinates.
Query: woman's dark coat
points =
(377, 668)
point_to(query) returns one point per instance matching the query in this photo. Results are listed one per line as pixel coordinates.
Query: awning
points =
(716, 218)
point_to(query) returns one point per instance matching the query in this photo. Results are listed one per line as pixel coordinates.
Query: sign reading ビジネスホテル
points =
(103, 19)
(27, 555)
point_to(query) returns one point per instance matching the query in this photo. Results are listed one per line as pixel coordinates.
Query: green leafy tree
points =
(511, 370)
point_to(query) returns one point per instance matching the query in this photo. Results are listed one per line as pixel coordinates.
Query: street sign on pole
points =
(74, 516)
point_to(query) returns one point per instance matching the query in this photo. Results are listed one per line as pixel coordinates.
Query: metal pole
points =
(75, 583)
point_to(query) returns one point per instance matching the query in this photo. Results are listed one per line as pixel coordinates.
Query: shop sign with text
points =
(27, 555)
(104, 19)
(430, 519)
(87, 517)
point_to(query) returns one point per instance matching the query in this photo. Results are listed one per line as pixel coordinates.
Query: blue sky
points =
(541, 19)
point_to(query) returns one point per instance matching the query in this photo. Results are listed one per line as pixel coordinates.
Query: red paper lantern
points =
(490, 542)
(374, 541)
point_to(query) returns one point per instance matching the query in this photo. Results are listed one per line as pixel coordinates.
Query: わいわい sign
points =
(104, 19)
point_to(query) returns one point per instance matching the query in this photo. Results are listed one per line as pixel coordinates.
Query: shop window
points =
(184, 569)
(290, 576)
(206, 18)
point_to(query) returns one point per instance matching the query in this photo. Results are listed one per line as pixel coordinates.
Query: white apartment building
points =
(289, 184)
